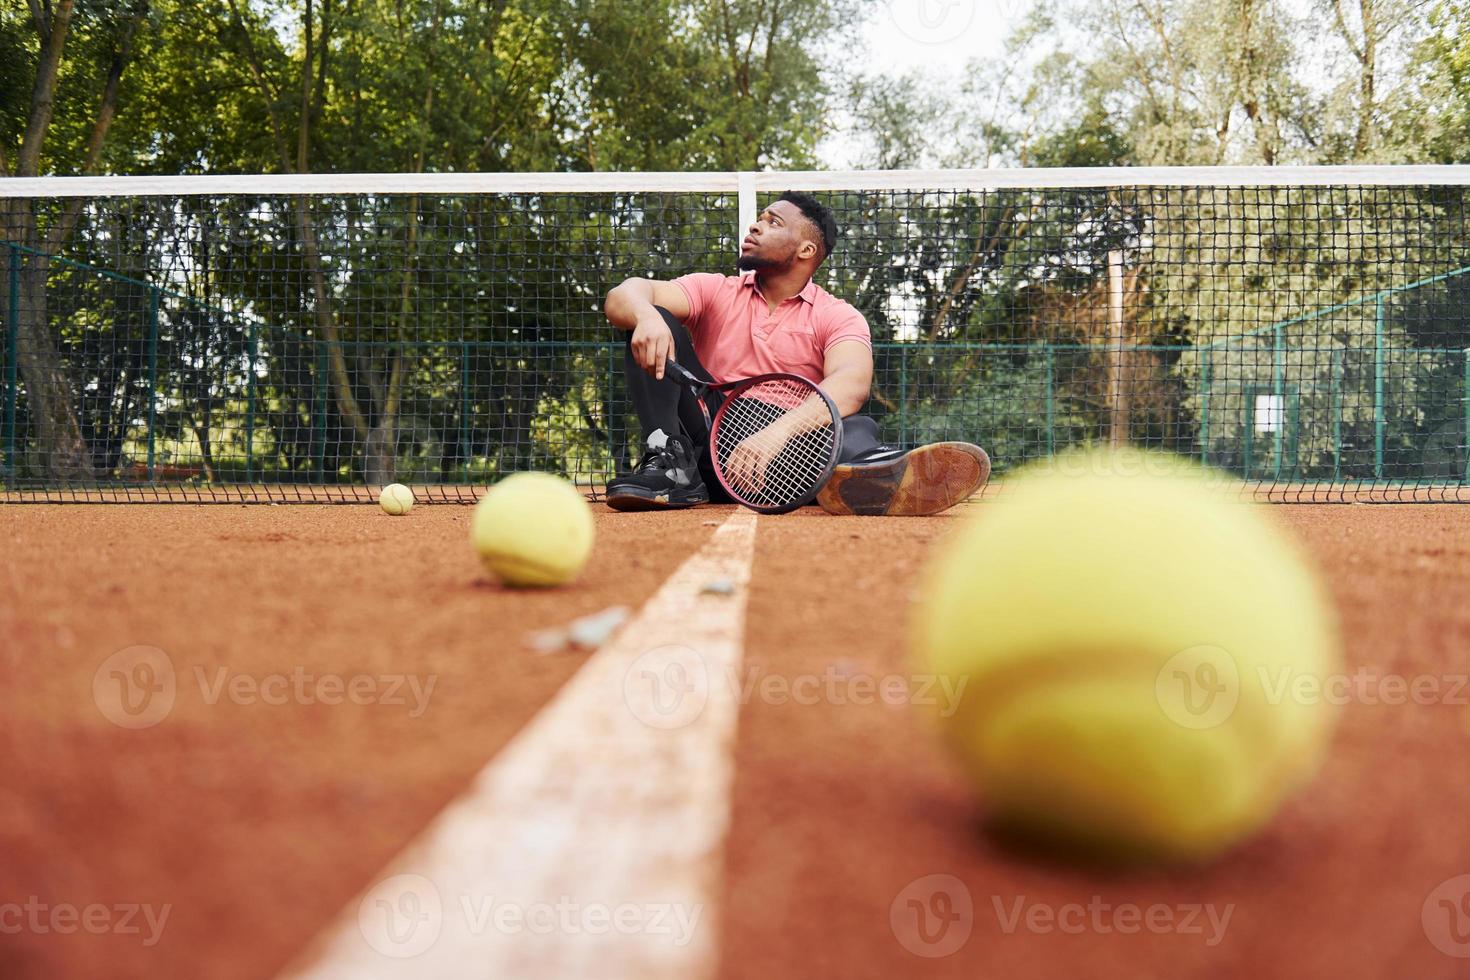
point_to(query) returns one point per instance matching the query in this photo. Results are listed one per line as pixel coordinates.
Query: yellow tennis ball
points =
(533, 529)
(1133, 644)
(396, 499)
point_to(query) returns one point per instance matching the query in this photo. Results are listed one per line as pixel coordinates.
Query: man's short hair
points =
(818, 214)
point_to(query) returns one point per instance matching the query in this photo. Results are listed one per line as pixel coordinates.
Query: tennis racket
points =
(773, 440)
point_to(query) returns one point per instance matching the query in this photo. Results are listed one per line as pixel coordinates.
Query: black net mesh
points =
(1311, 340)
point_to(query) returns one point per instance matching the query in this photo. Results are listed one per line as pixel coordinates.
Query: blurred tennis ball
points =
(1129, 638)
(396, 499)
(533, 529)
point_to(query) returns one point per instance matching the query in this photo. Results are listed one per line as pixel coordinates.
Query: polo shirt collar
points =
(808, 292)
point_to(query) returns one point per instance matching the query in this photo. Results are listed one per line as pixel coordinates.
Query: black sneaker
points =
(666, 478)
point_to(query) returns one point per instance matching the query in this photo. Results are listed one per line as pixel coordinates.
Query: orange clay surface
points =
(253, 811)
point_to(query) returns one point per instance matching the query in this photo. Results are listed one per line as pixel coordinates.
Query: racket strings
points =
(775, 442)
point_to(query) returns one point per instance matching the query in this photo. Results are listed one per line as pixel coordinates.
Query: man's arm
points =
(632, 299)
(848, 370)
(848, 375)
(630, 306)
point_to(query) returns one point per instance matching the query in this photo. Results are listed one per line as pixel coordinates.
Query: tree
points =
(375, 282)
(75, 56)
(996, 115)
(1440, 116)
(897, 119)
(1364, 116)
(1200, 81)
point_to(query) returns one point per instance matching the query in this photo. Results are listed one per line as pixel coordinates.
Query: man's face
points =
(779, 239)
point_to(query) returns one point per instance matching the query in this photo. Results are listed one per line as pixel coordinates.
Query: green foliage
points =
(1094, 140)
(1190, 82)
(506, 85)
(1444, 61)
(488, 307)
(242, 86)
(96, 33)
(1018, 404)
(17, 72)
(898, 116)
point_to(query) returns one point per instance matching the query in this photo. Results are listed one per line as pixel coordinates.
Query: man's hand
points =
(746, 466)
(652, 343)
(633, 305)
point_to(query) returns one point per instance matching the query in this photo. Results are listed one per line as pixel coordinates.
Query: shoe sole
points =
(627, 500)
(924, 481)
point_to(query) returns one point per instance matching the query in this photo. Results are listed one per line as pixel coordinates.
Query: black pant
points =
(670, 406)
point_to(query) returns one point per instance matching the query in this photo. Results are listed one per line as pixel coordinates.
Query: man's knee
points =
(859, 436)
(675, 324)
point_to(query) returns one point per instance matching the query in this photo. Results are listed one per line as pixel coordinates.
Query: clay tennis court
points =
(340, 678)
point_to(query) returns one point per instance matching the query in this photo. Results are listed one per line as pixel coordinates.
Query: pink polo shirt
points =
(737, 336)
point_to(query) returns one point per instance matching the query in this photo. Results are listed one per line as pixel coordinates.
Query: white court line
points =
(592, 845)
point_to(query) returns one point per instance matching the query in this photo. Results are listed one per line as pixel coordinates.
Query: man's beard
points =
(754, 263)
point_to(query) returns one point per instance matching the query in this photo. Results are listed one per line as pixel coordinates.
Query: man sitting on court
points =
(770, 318)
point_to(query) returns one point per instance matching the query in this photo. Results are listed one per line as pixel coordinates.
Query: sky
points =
(935, 36)
(942, 34)
(906, 34)
(939, 36)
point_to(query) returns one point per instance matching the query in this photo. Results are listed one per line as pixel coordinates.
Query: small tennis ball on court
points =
(1138, 650)
(533, 529)
(396, 499)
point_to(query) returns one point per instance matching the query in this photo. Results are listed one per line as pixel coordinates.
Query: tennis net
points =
(314, 337)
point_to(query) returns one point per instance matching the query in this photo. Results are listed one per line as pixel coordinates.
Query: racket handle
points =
(676, 369)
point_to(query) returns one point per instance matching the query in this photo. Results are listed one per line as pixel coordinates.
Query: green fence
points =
(176, 395)
(252, 346)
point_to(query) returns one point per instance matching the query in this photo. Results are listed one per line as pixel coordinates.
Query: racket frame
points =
(731, 390)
